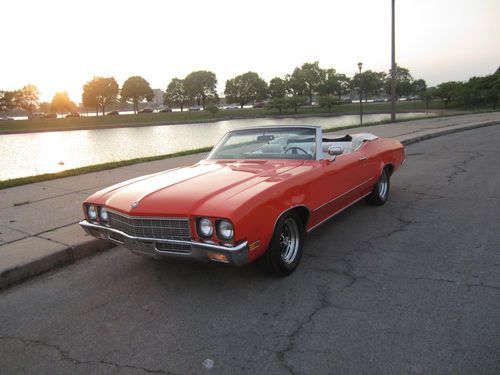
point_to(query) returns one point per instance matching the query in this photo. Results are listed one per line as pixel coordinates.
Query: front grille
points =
(155, 228)
(175, 248)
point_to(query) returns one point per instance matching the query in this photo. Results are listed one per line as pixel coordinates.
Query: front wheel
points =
(285, 250)
(380, 192)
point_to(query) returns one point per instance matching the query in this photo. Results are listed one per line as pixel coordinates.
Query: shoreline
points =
(4, 184)
(217, 119)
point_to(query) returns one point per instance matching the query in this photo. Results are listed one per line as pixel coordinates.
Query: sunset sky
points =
(59, 45)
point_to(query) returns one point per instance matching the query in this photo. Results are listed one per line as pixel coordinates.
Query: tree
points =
(45, 107)
(201, 87)
(482, 90)
(446, 91)
(295, 102)
(136, 89)
(369, 82)
(107, 92)
(279, 103)
(307, 78)
(61, 103)
(176, 94)
(334, 84)
(403, 82)
(212, 108)
(27, 98)
(427, 96)
(245, 88)
(327, 101)
(89, 98)
(419, 87)
(7, 100)
(100, 92)
(277, 88)
(294, 84)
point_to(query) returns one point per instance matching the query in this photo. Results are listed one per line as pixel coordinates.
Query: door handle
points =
(363, 158)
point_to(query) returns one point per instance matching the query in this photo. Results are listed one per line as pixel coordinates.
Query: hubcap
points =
(289, 241)
(383, 185)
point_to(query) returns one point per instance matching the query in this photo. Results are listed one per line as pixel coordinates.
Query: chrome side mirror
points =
(333, 151)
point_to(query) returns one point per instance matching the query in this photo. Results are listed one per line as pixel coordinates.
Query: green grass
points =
(93, 168)
(149, 119)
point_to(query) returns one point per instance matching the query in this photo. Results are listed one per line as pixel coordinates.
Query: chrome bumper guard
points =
(148, 246)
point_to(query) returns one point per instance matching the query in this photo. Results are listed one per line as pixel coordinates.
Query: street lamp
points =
(393, 64)
(360, 66)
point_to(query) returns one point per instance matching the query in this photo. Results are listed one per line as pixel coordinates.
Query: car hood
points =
(199, 189)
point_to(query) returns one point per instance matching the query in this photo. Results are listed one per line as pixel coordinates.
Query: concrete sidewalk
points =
(39, 222)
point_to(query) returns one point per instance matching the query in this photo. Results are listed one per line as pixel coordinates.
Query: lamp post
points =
(393, 64)
(360, 66)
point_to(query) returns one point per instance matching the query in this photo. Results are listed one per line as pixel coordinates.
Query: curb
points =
(424, 137)
(71, 254)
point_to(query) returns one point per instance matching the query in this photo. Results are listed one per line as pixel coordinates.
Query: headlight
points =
(205, 227)
(91, 212)
(225, 230)
(103, 214)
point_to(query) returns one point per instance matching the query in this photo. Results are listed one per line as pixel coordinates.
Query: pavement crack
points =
(460, 168)
(65, 356)
(322, 303)
(481, 285)
(438, 279)
(347, 308)
(54, 229)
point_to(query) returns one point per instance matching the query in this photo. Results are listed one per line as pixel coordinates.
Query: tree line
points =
(302, 86)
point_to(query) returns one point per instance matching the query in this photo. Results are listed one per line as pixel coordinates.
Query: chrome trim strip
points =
(343, 194)
(337, 212)
(179, 218)
(237, 248)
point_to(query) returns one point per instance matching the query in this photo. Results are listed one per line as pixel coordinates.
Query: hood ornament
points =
(134, 204)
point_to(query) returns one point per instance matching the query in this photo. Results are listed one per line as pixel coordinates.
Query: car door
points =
(341, 181)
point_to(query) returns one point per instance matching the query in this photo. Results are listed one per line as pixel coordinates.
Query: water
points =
(37, 153)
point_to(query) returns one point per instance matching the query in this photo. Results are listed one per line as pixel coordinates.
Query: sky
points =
(58, 45)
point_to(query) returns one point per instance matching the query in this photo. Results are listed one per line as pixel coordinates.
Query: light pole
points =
(360, 66)
(393, 65)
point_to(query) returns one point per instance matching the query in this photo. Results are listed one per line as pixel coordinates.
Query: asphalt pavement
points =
(412, 287)
(39, 222)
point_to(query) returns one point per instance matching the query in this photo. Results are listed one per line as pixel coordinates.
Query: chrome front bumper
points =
(147, 246)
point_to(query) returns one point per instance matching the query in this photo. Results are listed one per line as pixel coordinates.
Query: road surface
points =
(409, 287)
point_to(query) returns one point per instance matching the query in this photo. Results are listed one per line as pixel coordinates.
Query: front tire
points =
(380, 192)
(285, 250)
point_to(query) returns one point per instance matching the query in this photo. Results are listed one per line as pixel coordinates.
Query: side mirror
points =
(333, 151)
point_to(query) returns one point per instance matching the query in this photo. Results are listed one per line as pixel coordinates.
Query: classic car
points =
(253, 198)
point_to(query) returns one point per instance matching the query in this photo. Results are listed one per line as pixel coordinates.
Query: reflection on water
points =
(37, 153)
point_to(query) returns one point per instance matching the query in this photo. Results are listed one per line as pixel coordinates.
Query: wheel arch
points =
(302, 211)
(390, 168)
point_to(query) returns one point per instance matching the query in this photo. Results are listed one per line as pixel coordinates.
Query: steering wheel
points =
(296, 148)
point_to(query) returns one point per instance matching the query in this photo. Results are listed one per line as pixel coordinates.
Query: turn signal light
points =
(217, 257)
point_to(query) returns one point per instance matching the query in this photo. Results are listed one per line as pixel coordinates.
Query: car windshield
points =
(268, 143)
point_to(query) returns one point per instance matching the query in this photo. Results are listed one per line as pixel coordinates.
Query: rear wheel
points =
(285, 250)
(380, 192)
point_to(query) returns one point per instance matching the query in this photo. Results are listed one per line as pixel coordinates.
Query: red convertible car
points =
(254, 197)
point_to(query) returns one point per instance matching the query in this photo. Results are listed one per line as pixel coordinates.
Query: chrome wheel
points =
(383, 185)
(289, 241)
(283, 254)
(380, 192)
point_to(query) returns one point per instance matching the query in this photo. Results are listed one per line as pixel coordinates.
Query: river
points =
(31, 154)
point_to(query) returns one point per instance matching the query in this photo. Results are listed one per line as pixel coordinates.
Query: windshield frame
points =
(317, 133)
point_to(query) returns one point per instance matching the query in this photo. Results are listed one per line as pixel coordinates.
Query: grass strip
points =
(94, 168)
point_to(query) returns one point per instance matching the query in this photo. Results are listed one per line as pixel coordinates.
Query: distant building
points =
(157, 98)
